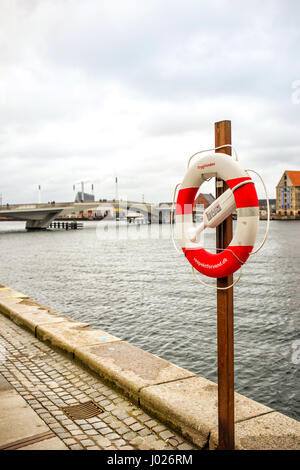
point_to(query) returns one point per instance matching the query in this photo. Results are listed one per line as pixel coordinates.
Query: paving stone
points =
(71, 401)
(112, 436)
(120, 414)
(51, 408)
(112, 396)
(105, 431)
(99, 425)
(45, 415)
(155, 443)
(80, 421)
(70, 441)
(76, 447)
(122, 430)
(117, 401)
(104, 403)
(144, 432)
(130, 421)
(102, 441)
(159, 428)
(136, 426)
(119, 442)
(166, 434)
(56, 427)
(94, 394)
(76, 432)
(151, 424)
(136, 412)
(91, 432)
(143, 417)
(130, 435)
(115, 424)
(92, 420)
(87, 442)
(108, 418)
(50, 420)
(86, 426)
(136, 440)
(175, 440)
(81, 436)
(63, 435)
(185, 446)
(65, 422)
(50, 381)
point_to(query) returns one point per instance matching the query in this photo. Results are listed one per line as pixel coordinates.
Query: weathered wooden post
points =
(225, 314)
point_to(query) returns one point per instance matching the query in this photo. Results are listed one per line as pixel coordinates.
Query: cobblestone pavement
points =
(49, 381)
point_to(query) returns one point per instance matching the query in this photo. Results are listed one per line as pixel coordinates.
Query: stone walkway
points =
(48, 381)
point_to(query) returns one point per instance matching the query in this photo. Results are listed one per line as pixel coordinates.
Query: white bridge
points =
(40, 216)
(36, 218)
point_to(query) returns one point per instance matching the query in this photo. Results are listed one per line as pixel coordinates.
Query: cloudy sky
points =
(93, 89)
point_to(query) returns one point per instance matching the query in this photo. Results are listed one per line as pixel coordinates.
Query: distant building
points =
(263, 208)
(165, 204)
(87, 197)
(205, 199)
(288, 194)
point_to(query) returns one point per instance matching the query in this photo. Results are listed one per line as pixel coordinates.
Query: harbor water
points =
(134, 285)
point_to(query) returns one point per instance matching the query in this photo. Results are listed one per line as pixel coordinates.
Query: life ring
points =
(243, 194)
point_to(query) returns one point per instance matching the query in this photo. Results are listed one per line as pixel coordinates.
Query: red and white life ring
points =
(231, 258)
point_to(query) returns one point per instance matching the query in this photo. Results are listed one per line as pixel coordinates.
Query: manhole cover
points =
(83, 410)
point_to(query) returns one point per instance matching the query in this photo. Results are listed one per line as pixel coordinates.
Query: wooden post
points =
(225, 314)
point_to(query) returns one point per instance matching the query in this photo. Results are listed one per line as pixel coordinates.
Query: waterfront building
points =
(85, 197)
(288, 194)
(205, 199)
(263, 209)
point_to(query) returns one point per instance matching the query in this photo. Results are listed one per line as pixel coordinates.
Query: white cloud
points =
(134, 88)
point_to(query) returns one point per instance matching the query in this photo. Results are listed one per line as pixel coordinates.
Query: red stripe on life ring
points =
(245, 196)
(219, 264)
(185, 200)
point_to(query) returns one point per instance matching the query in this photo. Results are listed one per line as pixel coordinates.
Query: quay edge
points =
(181, 399)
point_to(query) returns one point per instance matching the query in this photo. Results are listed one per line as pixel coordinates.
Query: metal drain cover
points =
(85, 410)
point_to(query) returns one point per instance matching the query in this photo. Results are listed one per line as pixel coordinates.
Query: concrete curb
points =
(184, 401)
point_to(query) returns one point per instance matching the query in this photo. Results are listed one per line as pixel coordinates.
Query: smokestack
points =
(82, 191)
(40, 194)
(117, 195)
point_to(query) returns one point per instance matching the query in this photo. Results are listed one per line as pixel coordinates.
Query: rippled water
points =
(143, 292)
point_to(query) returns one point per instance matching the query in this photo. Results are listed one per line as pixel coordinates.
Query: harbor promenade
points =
(64, 385)
(38, 383)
